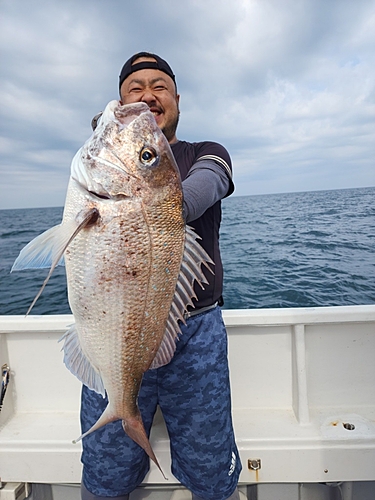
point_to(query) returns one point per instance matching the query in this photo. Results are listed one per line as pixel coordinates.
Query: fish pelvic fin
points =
(194, 258)
(47, 249)
(134, 428)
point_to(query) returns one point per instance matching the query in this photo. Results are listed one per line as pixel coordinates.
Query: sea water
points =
(308, 249)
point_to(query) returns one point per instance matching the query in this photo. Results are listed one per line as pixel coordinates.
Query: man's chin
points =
(169, 130)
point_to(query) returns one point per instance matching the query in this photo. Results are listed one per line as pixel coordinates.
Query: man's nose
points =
(148, 97)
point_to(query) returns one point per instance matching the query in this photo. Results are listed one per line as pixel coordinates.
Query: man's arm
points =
(206, 183)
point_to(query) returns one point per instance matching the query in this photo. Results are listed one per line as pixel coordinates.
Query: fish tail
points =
(106, 417)
(134, 428)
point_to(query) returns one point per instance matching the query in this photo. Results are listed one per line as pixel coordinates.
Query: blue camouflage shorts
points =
(193, 393)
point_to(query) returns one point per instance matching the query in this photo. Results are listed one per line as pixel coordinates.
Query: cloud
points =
(287, 86)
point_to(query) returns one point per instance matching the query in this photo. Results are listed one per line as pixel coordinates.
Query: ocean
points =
(310, 249)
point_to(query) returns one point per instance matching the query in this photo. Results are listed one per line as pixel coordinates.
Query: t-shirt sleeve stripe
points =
(219, 160)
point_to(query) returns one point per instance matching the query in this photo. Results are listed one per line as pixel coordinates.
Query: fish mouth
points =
(113, 197)
(100, 193)
(125, 114)
(88, 184)
(92, 188)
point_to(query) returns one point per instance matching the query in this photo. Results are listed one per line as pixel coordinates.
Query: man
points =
(193, 389)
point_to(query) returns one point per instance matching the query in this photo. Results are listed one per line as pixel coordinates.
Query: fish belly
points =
(122, 275)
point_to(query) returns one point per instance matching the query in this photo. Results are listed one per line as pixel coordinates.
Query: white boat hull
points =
(303, 390)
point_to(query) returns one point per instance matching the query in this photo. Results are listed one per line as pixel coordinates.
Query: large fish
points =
(131, 261)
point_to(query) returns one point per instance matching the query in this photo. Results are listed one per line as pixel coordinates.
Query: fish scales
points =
(131, 262)
(124, 312)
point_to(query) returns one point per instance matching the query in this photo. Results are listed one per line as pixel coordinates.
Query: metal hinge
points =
(254, 464)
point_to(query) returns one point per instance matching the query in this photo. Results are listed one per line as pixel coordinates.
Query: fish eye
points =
(148, 157)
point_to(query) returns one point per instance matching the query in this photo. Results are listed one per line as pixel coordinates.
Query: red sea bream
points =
(131, 261)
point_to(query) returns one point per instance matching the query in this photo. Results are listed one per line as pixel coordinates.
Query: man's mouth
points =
(155, 111)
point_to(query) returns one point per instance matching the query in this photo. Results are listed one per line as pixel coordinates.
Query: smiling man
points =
(157, 88)
(193, 390)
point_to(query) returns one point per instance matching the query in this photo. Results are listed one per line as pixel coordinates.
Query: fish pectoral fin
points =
(47, 249)
(77, 362)
(41, 251)
(191, 271)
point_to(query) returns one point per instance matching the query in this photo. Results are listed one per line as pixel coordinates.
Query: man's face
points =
(158, 91)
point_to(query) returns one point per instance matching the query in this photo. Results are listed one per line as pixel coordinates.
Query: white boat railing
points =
(303, 392)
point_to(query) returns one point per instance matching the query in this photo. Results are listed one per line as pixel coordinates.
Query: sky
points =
(287, 86)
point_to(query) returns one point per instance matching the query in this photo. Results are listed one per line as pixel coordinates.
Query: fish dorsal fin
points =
(47, 249)
(191, 270)
(78, 364)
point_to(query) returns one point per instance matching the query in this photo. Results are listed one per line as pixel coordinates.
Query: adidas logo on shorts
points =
(233, 464)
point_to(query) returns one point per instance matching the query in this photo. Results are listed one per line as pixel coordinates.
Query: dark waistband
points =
(199, 310)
